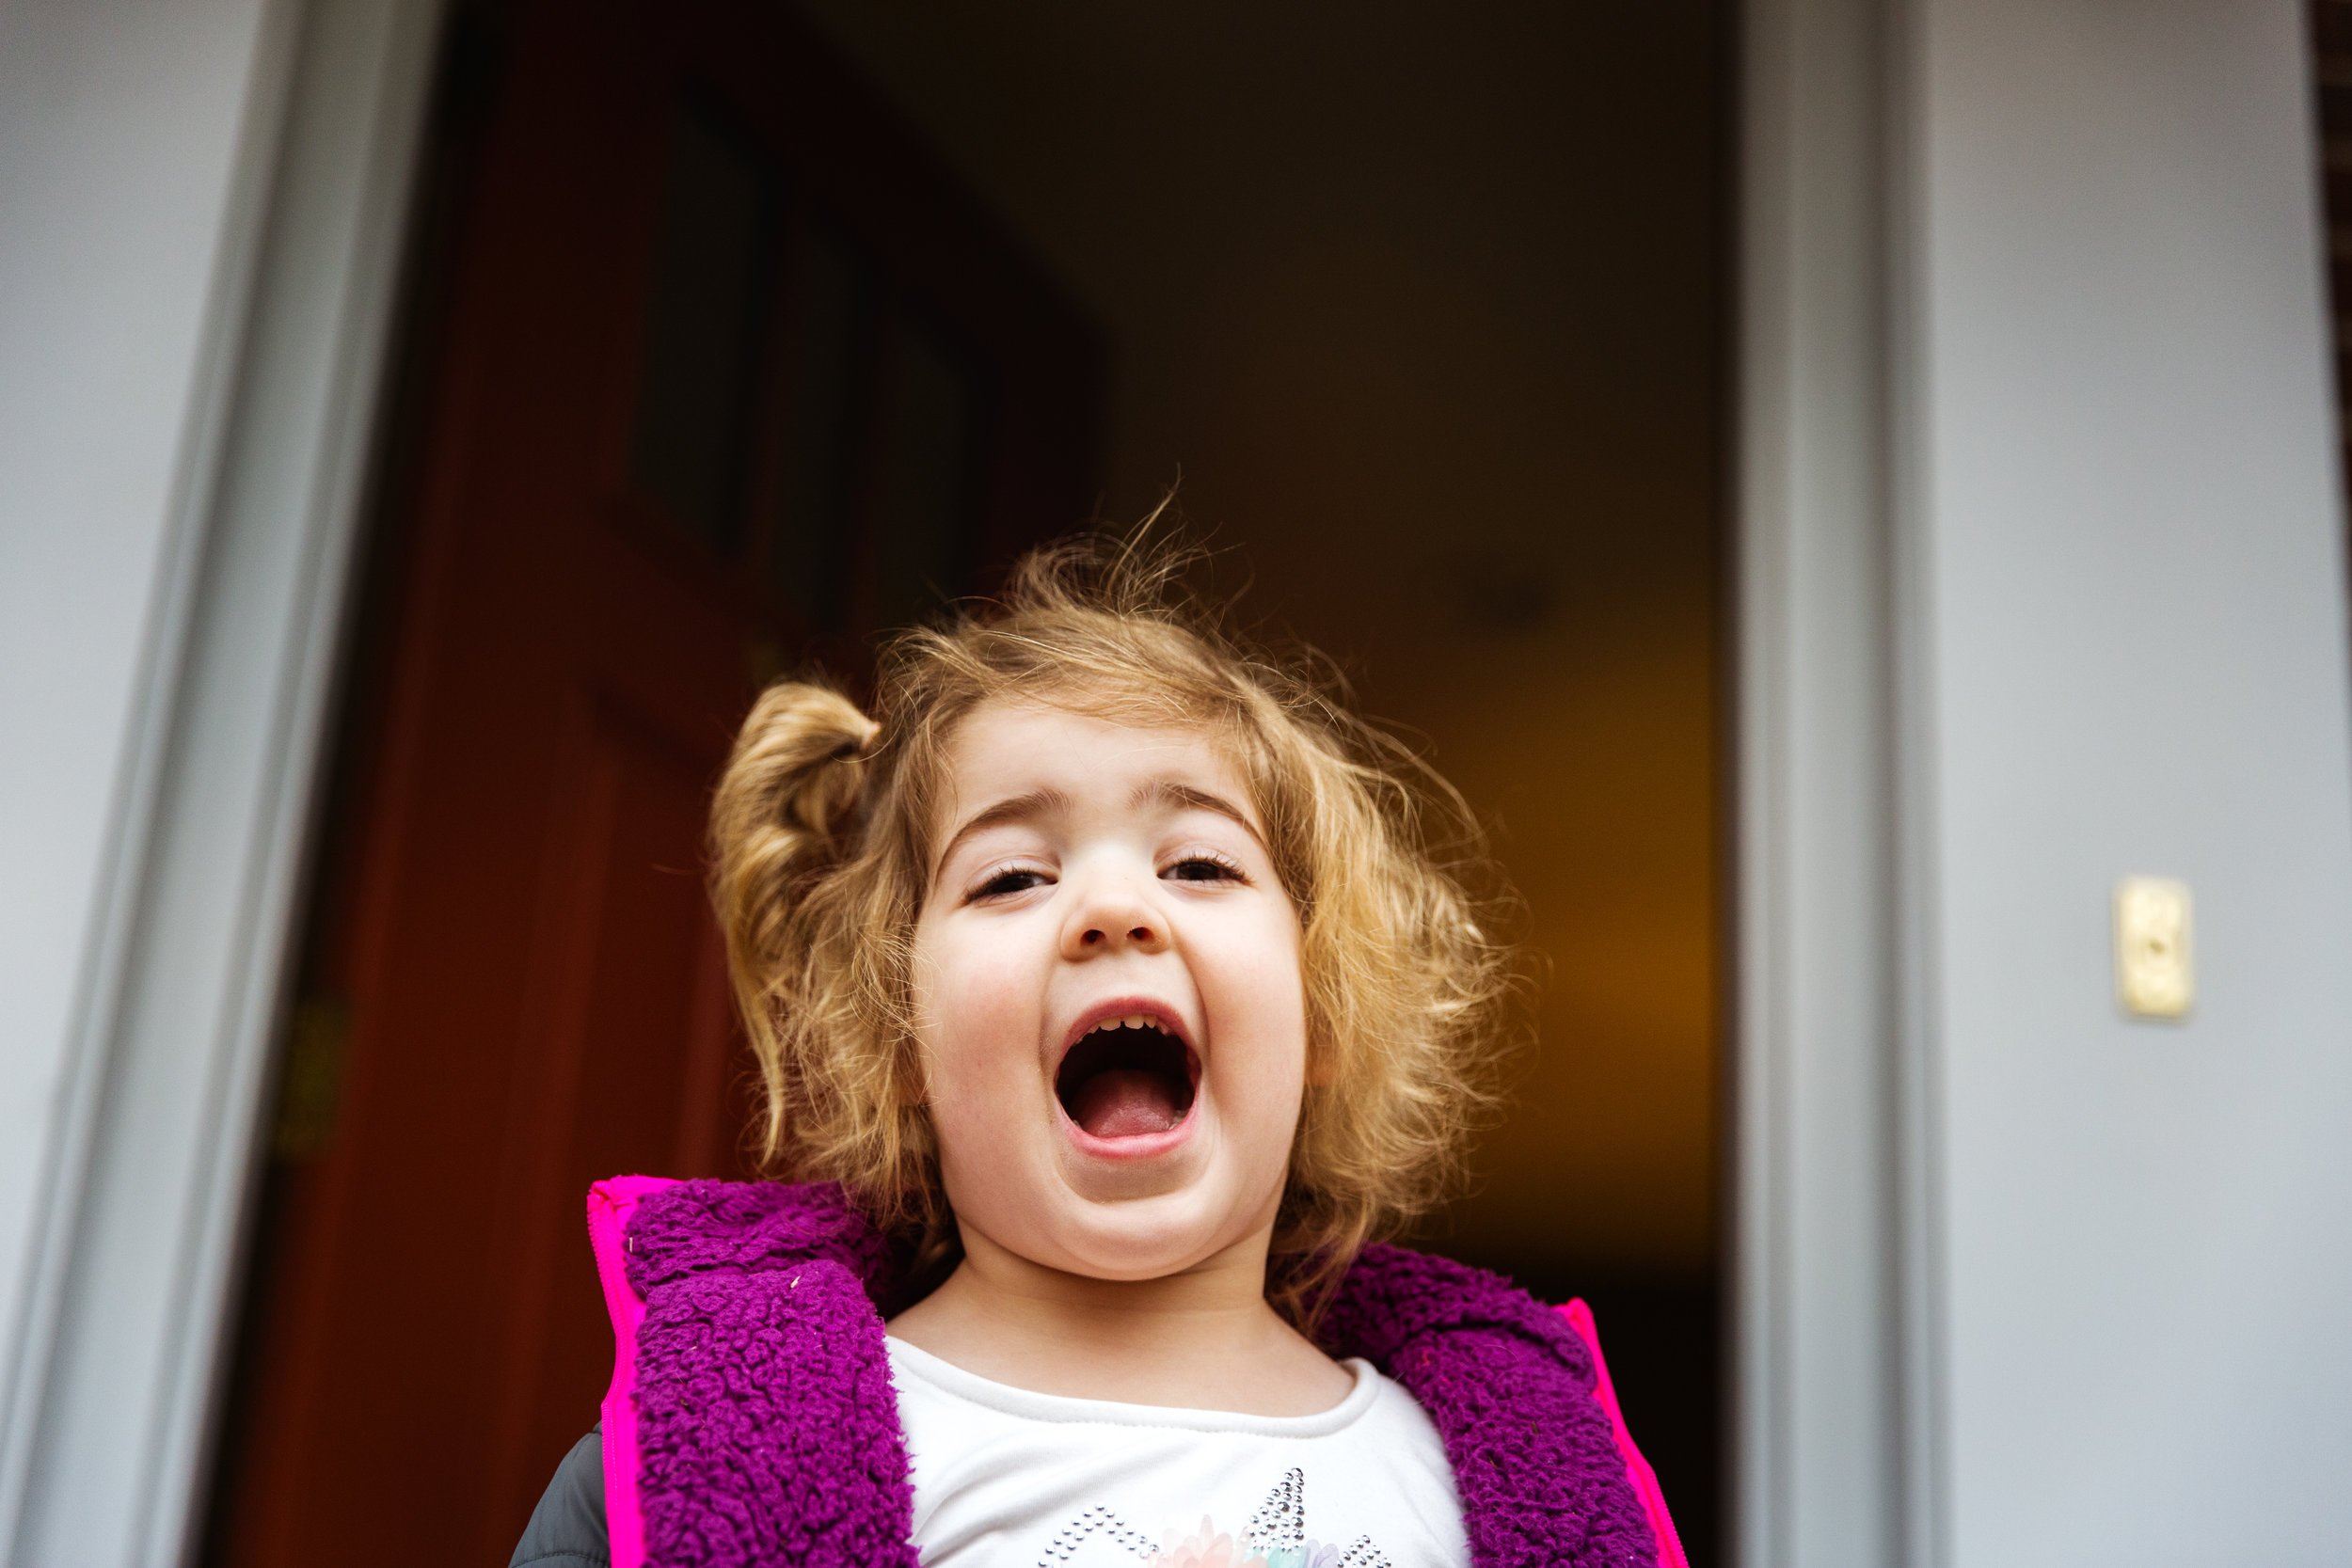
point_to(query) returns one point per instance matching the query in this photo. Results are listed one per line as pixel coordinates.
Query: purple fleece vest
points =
(767, 1430)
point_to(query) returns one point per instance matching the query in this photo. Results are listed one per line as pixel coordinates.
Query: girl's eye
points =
(1204, 868)
(1009, 881)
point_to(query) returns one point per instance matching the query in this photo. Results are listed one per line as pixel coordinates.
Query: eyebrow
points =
(1013, 808)
(1171, 792)
(1049, 801)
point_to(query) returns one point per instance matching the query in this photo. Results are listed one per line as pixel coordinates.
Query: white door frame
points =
(1830, 1464)
(125, 1306)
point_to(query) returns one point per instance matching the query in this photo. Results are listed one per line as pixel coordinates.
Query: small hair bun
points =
(799, 763)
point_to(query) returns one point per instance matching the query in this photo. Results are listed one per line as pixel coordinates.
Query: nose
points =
(1112, 917)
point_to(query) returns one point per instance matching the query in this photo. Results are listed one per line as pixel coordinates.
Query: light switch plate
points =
(2156, 974)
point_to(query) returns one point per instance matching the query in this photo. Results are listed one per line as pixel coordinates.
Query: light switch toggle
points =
(2154, 971)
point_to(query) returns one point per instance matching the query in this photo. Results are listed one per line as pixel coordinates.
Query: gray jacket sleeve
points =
(567, 1528)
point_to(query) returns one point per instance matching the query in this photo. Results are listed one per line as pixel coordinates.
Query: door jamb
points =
(105, 1444)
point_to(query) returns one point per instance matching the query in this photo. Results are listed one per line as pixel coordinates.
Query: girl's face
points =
(1107, 995)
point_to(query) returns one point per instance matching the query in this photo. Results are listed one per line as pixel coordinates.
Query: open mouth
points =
(1126, 1078)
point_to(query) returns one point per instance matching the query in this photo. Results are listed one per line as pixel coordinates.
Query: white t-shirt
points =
(1008, 1479)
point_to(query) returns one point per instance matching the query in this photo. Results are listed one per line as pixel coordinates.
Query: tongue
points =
(1124, 1102)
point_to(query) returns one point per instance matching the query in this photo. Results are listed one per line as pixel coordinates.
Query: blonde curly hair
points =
(821, 836)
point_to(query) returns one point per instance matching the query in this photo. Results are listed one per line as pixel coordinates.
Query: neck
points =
(1203, 1338)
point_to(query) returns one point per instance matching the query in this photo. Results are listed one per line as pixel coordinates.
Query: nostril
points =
(1141, 933)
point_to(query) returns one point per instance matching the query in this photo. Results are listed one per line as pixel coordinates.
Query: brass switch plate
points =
(2156, 974)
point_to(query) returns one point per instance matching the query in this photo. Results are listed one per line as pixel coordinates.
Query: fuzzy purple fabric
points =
(1510, 1387)
(768, 1431)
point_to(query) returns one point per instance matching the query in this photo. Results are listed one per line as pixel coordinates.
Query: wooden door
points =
(715, 368)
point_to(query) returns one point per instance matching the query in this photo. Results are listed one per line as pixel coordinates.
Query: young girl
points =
(1109, 1001)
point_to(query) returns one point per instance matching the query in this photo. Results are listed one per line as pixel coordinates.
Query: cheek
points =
(977, 1013)
(1264, 999)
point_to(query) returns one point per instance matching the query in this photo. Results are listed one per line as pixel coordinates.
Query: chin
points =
(1149, 1237)
(1131, 1251)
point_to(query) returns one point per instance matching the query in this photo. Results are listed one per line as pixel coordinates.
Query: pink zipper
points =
(1637, 1469)
(609, 1205)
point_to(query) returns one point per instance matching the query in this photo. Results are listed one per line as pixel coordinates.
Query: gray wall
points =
(2132, 617)
(2042, 584)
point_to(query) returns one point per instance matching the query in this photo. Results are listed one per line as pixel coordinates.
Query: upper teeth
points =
(1133, 1020)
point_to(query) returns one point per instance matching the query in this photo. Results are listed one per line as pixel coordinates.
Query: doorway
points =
(1424, 308)
(739, 331)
